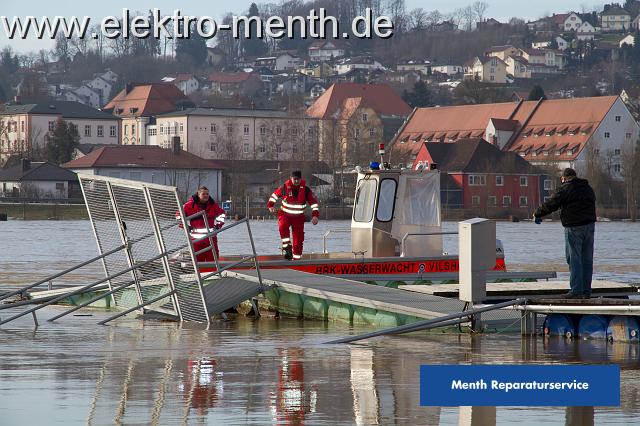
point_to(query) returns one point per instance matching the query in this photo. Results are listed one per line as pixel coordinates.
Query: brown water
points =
(269, 370)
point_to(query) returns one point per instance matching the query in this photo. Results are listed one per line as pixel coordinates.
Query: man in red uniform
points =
(215, 218)
(296, 195)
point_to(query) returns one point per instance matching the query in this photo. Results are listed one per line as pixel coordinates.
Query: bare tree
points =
(468, 17)
(480, 8)
(417, 19)
(433, 18)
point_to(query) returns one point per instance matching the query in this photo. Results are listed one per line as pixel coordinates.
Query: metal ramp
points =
(141, 229)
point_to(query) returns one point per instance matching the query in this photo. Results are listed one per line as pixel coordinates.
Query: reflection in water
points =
(363, 386)
(202, 385)
(292, 402)
(477, 416)
(579, 416)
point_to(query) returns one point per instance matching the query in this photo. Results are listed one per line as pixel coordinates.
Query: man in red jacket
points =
(215, 218)
(296, 195)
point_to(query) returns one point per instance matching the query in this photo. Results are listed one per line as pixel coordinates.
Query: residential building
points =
(635, 24)
(152, 164)
(502, 52)
(518, 67)
(559, 132)
(545, 43)
(137, 105)
(187, 83)
(402, 78)
(572, 22)
(325, 50)
(321, 70)
(367, 63)
(629, 40)
(422, 66)
(354, 119)
(447, 69)
(557, 21)
(236, 83)
(281, 62)
(234, 133)
(38, 180)
(586, 31)
(615, 19)
(29, 125)
(480, 178)
(543, 61)
(487, 69)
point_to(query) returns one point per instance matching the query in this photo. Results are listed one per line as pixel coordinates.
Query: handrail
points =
(217, 231)
(135, 308)
(329, 231)
(415, 234)
(59, 274)
(87, 287)
(429, 323)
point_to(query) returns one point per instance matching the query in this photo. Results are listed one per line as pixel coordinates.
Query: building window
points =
(372, 132)
(263, 130)
(245, 148)
(311, 131)
(294, 131)
(548, 185)
(22, 126)
(278, 149)
(263, 148)
(523, 201)
(152, 132)
(52, 125)
(618, 118)
(492, 200)
(607, 135)
(126, 129)
(365, 116)
(616, 151)
(59, 186)
(499, 180)
(246, 129)
(477, 180)
(278, 130)
(87, 131)
(100, 131)
(213, 147)
(506, 201)
(294, 148)
(133, 129)
(524, 181)
(135, 176)
(357, 134)
(492, 78)
(214, 129)
(229, 129)
(112, 131)
(617, 168)
(475, 200)
(628, 135)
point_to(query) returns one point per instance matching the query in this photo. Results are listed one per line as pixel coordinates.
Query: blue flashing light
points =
(374, 165)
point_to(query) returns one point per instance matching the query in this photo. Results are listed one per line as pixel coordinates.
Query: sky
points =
(500, 9)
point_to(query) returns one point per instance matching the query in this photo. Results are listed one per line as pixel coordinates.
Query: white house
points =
(187, 83)
(586, 31)
(629, 40)
(325, 50)
(447, 69)
(367, 63)
(152, 164)
(28, 125)
(40, 180)
(423, 66)
(572, 22)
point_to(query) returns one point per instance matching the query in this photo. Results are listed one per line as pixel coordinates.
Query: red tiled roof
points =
(379, 97)
(560, 117)
(146, 100)
(139, 157)
(229, 77)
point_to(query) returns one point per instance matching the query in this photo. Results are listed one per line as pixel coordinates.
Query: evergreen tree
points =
(254, 46)
(419, 97)
(61, 142)
(192, 50)
(536, 94)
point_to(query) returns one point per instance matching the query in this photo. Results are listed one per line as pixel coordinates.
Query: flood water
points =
(274, 371)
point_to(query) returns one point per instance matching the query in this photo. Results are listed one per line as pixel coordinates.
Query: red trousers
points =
(207, 256)
(296, 236)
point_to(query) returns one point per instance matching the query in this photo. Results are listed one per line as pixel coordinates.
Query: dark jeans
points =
(579, 250)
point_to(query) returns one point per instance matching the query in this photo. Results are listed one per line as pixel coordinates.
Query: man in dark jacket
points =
(577, 202)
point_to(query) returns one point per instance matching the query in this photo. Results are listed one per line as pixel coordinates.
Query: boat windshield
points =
(365, 200)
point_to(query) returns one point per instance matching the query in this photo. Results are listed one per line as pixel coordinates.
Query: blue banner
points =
(519, 385)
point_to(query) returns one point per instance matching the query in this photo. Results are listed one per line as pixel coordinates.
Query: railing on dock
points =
(141, 231)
